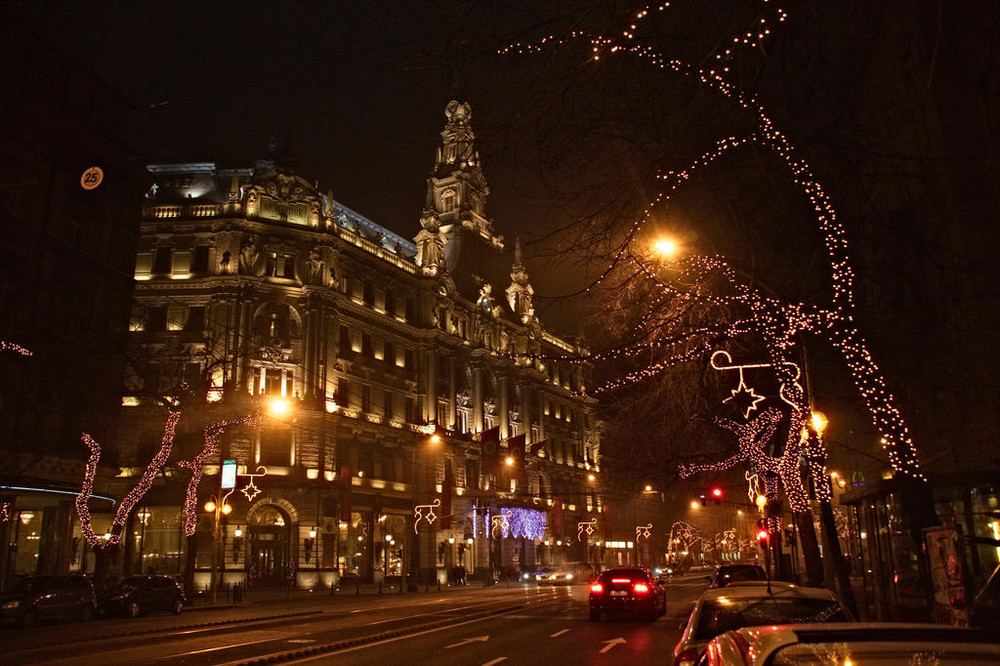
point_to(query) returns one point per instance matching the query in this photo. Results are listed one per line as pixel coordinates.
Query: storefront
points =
(896, 560)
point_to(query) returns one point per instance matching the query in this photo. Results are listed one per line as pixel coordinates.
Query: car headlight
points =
(569, 576)
(11, 605)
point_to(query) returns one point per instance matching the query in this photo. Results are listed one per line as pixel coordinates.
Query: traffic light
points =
(761, 532)
(717, 494)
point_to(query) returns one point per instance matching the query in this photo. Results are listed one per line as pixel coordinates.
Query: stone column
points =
(430, 402)
(477, 398)
(503, 406)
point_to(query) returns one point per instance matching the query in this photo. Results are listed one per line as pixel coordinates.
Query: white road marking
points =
(558, 633)
(474, 639)
(495, 661)
(613, 642)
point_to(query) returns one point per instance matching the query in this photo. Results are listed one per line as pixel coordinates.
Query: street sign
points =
(91, 178)
(229, 473)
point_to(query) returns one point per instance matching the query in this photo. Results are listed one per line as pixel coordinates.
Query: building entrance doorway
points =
(270, 552)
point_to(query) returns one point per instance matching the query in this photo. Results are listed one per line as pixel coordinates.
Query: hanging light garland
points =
(16, 348)
(839, 326)
(132, 497)
(212, 434)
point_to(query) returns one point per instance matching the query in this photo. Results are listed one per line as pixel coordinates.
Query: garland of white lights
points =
(839, 320)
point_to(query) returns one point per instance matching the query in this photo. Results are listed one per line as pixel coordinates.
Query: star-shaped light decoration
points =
(744, 398)
(250, 491)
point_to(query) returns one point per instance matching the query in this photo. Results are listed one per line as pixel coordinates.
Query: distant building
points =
(401, 362)
(69, 209)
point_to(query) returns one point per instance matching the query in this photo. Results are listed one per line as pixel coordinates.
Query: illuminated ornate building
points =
(415, 378)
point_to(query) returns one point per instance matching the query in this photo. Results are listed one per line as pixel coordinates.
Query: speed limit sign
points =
(91, 178)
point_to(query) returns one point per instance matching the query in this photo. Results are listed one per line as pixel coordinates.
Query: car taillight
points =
(687, 658)
(596, 588)
(641, 588)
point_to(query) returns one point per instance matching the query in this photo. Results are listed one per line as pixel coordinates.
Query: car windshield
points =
(728, 575)
(937, 653)
(32, 585)
(725, 614)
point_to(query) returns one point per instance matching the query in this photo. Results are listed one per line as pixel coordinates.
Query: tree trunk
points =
(102, 562)
(831, 542)
(810, 548)
(189, 562)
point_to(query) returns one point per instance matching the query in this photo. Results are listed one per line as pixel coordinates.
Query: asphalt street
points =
(523, 624)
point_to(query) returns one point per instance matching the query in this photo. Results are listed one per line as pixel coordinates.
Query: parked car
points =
(32, 598)
(751, 604)
(631, 590)
(729, 573)
(566, 574)
(852, 643)
(137, 595)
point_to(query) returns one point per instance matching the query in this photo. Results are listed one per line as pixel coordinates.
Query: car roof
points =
(758, 588)
(765, 640)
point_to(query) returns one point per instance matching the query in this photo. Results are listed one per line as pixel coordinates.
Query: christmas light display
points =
(16, 348)
(526, 523)
(211, 435)
(501, 525)
(251, 490)
(132, 497)
(642, 531)
(588, 526)
(683, 537)
(424, 512)
(778, 324)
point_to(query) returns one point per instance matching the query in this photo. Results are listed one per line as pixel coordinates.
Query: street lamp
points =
(217, 505)
(665, 248)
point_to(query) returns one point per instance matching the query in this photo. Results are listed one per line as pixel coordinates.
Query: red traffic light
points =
(761, 535)
(716, 492)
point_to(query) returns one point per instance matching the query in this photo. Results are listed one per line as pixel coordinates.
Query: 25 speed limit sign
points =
(91, 178)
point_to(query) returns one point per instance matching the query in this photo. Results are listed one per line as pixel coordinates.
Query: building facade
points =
(416, 416)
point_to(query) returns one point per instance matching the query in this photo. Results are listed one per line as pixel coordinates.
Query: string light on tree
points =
(838, 319)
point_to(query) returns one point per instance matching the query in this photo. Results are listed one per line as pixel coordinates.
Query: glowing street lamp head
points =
(226, 509)
(694, 504)
(819, 422)
(509, 461)
(665, 248)
(649, 488)
(591, 478)
(278, 406)
(761, 501)
(210, 506)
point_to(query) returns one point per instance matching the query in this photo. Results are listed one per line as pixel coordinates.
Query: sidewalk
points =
(280, 595)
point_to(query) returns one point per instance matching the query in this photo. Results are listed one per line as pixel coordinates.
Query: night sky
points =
(893, 103)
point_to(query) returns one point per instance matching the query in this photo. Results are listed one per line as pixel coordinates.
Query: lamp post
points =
(218, 506)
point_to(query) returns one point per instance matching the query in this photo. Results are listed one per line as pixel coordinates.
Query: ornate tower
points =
(454, 221)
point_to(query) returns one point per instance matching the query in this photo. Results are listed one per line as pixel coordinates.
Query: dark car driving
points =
(631, 590)
(731, 573)
(137, 595)
(32, 598)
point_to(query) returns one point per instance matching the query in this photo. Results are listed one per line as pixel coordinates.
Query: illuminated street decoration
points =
(587, 526)
(525, 523)
(681, 539)
(778, 323)
(17, 349)
(133, 496)
(424, 512)
(642, 531)
(501, 525)
(251, 490)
